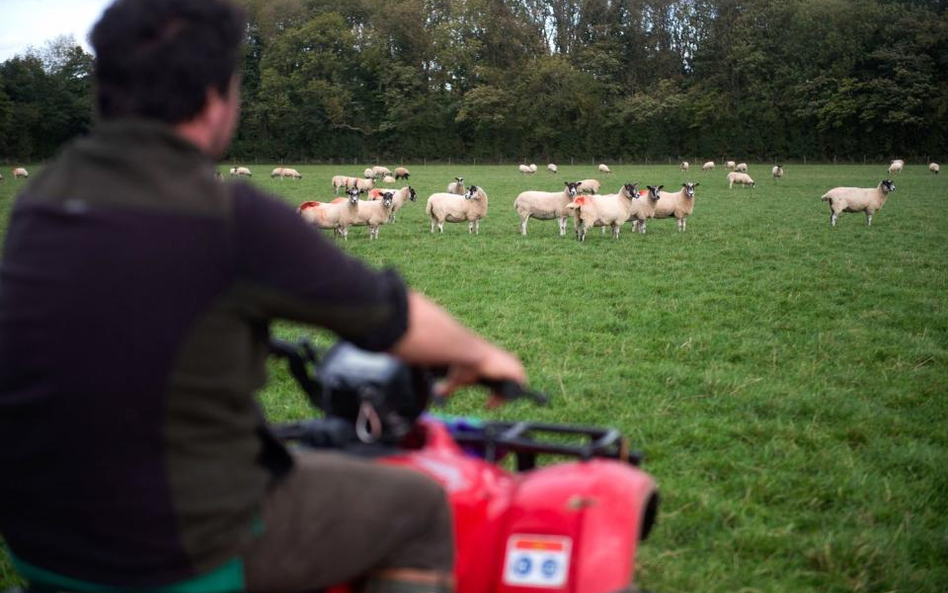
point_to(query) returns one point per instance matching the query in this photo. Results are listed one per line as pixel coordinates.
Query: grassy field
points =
(786, 380)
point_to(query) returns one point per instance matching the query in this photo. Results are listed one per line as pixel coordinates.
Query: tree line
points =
(552, 80)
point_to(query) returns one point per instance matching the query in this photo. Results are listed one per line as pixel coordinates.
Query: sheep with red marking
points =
(337, 215)
(644, 207)
(679, 204)
(545, 205)
(470, 207)
(606, 210)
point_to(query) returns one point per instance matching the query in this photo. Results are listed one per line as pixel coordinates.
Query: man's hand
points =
(495, 363)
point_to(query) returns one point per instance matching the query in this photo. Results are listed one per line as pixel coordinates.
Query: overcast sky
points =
(33, 22)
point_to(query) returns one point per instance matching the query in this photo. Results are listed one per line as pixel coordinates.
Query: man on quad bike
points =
(136, 293)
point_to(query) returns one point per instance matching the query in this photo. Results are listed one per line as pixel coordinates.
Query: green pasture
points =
(787, 381)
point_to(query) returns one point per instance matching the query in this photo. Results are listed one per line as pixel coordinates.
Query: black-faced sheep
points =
(679, 204)
(858, 199)
(471, 207)
(545, 205)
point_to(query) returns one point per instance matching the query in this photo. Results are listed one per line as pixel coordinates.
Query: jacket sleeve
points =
(287, 270)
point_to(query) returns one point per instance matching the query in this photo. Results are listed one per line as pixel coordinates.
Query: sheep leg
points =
(441, 226)
(470, 228)
(432, 225)
(615, 230)
(562, 222)
(523, 225)
(681, 224)
(868, 218)
(833, 217)
(477, 226)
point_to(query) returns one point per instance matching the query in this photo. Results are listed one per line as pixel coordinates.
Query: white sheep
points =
(896, 166)
(472, 207)
(934, 168)
(684, 166)
(552, 168)
(604, 169)
(364, 184)
(709, 166)
(858, 199)
(589, 186)
(456, 186)
(20, 172)
(398, 199)
(374, 214)
(284, 172)
(524, 169)
(380, 171)
(741, 179)
(339, 182)
(369, 173)
(644, 207)
(606, 210)
(240, 172)
(401, 173)
(729, 165)
(777, 172)
(1, 176)
(388, 179)
(679, 204)
(741, 168)
(545, 205)
(337, 215)
(533, 168)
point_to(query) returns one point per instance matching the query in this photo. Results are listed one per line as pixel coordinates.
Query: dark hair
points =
(157, 58)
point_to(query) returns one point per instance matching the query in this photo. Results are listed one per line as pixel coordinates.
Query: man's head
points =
(173, 61)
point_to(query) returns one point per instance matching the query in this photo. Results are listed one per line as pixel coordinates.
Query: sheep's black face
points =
(689, 189)
(353, 196)
(471, 193)
(631, 189)
(572, 188)
(387, 198)
(411, 193)
(460, 180)
(653, 191)
(888, 186)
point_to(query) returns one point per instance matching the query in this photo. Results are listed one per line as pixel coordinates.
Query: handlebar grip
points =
(510, 390)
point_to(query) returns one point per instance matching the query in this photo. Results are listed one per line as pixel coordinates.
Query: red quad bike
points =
(572, 526)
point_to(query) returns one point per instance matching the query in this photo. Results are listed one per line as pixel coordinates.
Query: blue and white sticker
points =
(537, 561)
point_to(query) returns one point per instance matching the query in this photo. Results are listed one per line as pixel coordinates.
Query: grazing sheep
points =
(552, 168)
(729, 165)
(375, 213)
(456, 186)
(607, 210)
(381, 171)
(545, 205)
(364, 184)
(741, 179)
(524, 169)
(533, 168)
(401, 173)
(679, 204)
(284, 172)
(388, 179)
(709, 166)
(589, 186)
(337, 215)
(339, 182)
(398, 199)
(472, 207)
(858, 199)
(934, 168)
(240, 172)
(20, 172)
(369, 173)
(604, 169)
(1, 176)
(644, 207)
(777, 172)
(684, 166)
(896, 166)
(741, 168)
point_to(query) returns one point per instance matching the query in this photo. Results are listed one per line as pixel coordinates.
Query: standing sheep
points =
(401, 173)
(729, 165)
(741, 168)
(20, 172)
(472, 207)
(398, 199)
(533, 168)
(709, 166)
(604, 169)
(524, 169)
(380, 171)
(589, 186)
(679, 204)
(608, 210)
(456, 186)
(777, 172)
(741, 179)
(545, 205)
(284, 172)
(934, 168)
(552, 168)
(364, 184)
(240, 172)
(644, 207)
(337, 215)
(858, 199)
(684, 166)
(896, 166)
(374, 213)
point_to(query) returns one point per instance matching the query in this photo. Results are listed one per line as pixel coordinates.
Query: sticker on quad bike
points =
(537, 560)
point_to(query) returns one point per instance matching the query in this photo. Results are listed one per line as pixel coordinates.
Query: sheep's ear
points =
(697, 184)
(684, 185)
(659, 188)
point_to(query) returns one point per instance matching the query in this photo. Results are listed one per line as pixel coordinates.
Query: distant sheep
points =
(607, 210)
(603, 168)
(369, 173)
(472, 207)
(342, 182)
(283, 172)
(533, 168)
(684, 166)
(545, 205)
(525, 170)
(679, 204)
(552, 168)
(741, 168)
(401, 173)
(896, 166)
(741, 179)
(777, 172)
(364, 184)
(381, 171)
(240, 172)
(709, 166)
(589, 186)
(456, 186)
(20, 172)
(337, 215)
(388, 179)
(858, 199)
(934, 168)
(729, 165)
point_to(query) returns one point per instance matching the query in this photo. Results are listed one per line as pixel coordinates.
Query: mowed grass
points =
(786, 380)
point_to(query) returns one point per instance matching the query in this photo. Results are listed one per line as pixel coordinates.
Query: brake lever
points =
(507, 390)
